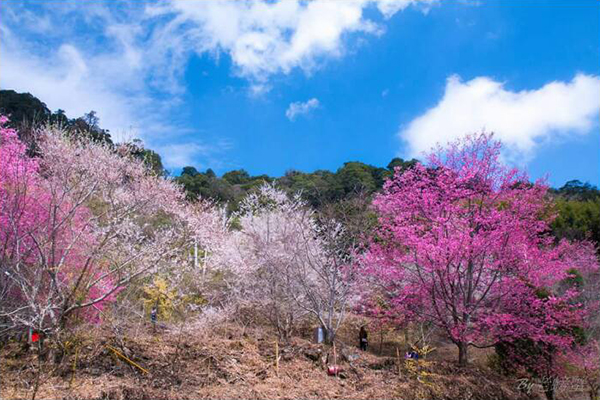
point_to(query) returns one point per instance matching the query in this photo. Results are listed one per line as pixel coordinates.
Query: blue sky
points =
(309, 85)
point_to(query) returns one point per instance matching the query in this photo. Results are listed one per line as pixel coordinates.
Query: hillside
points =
(226, 363)
(487, 278)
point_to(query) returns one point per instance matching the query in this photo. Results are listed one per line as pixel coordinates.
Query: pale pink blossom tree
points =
(262, 253)
(289, 263)
(83, 221)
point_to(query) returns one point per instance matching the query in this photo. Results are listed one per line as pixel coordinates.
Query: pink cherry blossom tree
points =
(459, 236)
(23, 292)
(587, 359)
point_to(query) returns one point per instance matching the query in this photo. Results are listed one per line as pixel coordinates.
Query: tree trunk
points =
(463, 355)
(548, 386)
(329, 336)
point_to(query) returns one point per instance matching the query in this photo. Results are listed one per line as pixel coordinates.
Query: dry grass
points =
(225, 364)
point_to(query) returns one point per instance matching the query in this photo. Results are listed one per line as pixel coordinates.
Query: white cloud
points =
(65, 73)
(115, 59)
(127, 60)
(265, 38)
(390, 7)
(65, 82)
(300, 108)
(521, 119)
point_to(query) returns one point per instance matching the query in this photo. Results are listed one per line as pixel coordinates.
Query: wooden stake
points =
(74, 367)
(398, 359)
(277, 358)
(334, 356)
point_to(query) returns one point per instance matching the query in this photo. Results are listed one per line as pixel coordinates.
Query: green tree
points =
(191, 171)
(399, 162)
(357, 177)
(236, 177)
(23, 108)
(59, 118)
(578, 209)
(577, 190)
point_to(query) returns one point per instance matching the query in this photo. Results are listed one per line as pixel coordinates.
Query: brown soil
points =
(226, 364)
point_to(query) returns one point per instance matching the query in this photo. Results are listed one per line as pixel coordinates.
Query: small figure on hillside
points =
(363, 340)
(412, 355)
(153, 316)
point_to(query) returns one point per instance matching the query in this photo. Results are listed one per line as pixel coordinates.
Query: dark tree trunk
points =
(548, 385)
(329, 337)
(463, 354)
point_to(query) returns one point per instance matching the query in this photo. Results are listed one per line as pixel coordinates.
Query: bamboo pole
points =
(117, 352)
(398, 359)
(277, 358)
(74, 367)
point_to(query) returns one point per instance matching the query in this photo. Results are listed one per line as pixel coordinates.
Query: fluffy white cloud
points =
(68, 76)
(111, 79)
(521, 119)
(127, 60)
(300, 108)
(264, 37)
(63, 83)
(114, 59)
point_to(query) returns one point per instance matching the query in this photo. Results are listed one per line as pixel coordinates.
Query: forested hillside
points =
(346, 191)
(579, 201)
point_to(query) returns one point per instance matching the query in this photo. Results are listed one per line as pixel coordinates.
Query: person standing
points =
(363, 340)
(153, 317)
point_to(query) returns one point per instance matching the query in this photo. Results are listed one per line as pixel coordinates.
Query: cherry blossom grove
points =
(462, 247)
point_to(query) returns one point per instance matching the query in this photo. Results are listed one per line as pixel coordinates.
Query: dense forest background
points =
(345, 192)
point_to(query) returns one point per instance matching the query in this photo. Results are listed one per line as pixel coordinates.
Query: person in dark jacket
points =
(154, 317)
(363, 340)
